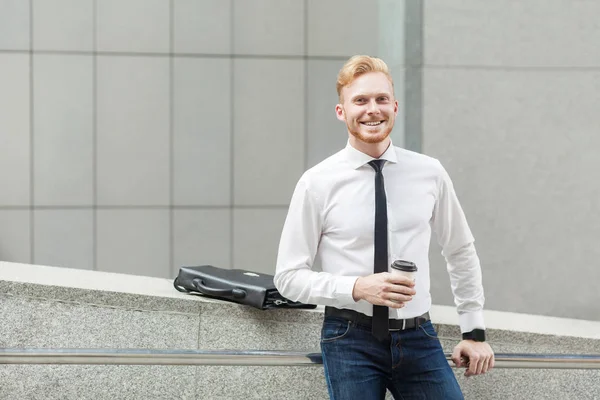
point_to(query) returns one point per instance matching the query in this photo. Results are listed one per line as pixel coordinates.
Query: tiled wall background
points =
(137, 136)
(140, 135)
(511, 98)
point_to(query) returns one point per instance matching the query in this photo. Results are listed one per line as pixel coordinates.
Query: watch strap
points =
(478, 335)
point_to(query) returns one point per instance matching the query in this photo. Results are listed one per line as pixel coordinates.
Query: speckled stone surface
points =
(257, 334)
(273, 383)
(35, 315)
(232, 310)
(233, 326)
(96, 382)
(503, 384)
(28, 322)
(185, 304)
(504, 341)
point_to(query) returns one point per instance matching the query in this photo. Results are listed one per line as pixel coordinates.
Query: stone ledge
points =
(157, 294)
(106, 310)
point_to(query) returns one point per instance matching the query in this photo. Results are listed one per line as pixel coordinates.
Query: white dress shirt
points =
(331, 219)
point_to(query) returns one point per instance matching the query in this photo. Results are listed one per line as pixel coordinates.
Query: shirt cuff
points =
(471, 320)
(344, 288)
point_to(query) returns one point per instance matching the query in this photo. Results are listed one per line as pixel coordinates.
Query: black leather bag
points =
(236, 285)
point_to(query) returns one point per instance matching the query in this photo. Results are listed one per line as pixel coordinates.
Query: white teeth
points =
(372, 123)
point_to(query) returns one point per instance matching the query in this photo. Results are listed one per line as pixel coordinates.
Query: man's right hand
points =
(384, 289)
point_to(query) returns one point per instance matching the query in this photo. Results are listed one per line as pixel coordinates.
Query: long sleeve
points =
(455, 238)
(294, 277)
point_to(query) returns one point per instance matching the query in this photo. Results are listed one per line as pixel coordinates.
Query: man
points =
(357, 212)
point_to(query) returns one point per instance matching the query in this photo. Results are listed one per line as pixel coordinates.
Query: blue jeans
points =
(410, 363)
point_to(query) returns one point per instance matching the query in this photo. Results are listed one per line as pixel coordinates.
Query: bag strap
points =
(179, 288)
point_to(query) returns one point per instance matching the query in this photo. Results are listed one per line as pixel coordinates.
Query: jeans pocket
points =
(334, 329)
(429, 331)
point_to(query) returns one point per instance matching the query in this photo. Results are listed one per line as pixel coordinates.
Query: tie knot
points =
(377, 164)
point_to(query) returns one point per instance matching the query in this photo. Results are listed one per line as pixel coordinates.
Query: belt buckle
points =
(400, 329)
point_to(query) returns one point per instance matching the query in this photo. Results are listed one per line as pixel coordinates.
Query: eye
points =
(382, 98)
(360, 100)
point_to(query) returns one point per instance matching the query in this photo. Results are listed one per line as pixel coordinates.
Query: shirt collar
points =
(357, 159)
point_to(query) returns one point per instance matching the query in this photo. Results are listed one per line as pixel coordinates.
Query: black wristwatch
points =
(477, 335)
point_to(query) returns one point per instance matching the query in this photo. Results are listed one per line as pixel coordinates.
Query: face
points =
(369, 107)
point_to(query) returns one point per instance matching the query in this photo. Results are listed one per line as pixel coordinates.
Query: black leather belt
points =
(362, 319)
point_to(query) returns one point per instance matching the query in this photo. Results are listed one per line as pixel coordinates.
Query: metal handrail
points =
(255, 358)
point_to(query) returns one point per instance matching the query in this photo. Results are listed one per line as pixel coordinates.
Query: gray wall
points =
(511, 99)
(140, 135)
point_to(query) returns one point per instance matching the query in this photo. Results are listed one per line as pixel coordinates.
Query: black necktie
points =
(380, 326)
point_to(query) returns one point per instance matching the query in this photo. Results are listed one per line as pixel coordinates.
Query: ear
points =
(395, 107)
(339, 112)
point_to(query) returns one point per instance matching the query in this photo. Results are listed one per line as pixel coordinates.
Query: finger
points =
(456, 358)
(486, 365)
(468, 368)
(393, 288)
(465, 362)
(392, 304)
(474, 364)
(482, 367)
(398, 298)
(400, 280)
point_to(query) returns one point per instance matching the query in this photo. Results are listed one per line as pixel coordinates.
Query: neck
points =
(374, 150)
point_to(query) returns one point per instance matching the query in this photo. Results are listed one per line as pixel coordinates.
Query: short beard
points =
(370, 139)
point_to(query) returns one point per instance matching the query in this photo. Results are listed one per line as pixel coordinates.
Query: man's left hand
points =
(478, 357)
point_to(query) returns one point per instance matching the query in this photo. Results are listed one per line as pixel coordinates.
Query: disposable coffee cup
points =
(405, 268)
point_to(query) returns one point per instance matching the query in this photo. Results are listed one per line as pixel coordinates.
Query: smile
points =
(373, 123)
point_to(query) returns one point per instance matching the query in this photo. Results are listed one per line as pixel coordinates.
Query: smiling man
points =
(357, 212)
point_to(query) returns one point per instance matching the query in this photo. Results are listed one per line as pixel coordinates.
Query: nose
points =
(372, 107)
